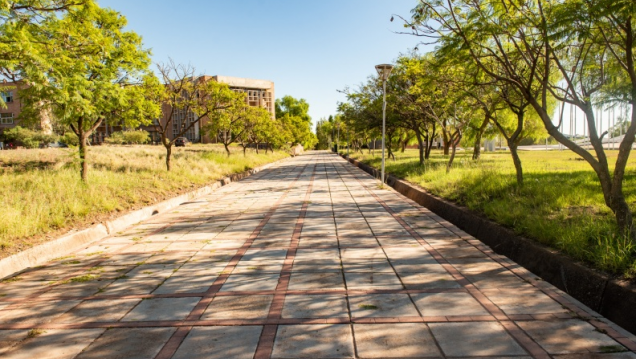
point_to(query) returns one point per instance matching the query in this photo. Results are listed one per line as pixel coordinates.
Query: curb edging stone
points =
(55, 248)
(614, 299)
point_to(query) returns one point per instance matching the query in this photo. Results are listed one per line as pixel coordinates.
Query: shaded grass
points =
(42, 195)
(560, 204)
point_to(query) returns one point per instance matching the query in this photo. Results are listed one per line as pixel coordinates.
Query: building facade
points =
(10, 114)
(258, 93)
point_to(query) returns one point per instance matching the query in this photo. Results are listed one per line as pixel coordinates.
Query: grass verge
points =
(560, 204)
(42, 196)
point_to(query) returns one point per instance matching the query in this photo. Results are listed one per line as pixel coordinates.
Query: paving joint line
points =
(172, 345)
(439, 348)
(513, 329)
(265, 344)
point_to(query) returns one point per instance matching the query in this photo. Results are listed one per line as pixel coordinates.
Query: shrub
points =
(115, 138)
(136, 137)
(128, 137)
(70, 139)
(45, 139)
(28, 138)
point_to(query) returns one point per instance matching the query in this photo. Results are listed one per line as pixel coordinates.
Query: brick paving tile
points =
(407, 340)
(220, 343)
(308, 258)
(57, 344)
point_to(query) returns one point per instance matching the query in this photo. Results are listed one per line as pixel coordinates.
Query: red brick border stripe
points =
(171, 346)
(519, 335)
(266, 341)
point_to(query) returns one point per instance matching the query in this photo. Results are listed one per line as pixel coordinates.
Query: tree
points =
(25, 40)
(95, 71)
(256, 126)
(230, 124)
(187, 99)
(407, 98)
(294, 117)
(324, 134)
(579, 51)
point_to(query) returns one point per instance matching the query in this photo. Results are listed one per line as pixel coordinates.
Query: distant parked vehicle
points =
(57, 145)
(181, 142)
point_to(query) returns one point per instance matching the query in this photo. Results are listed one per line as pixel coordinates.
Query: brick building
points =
(10, 116)
(259, 93)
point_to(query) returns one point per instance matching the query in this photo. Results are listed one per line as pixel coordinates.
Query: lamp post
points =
(338, 140)
(332, 137)
(383, 71)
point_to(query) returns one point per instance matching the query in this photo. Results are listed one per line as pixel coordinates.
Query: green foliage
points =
(28, 138)
(115, 138)
(135, 137)
(229, 123)
(295, 121)
(258, 127)
(85, 68)
(293, 107)
(580, 52)
(324, 134)
(69, 138)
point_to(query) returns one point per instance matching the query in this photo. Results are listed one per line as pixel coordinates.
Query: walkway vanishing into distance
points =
(307, 259)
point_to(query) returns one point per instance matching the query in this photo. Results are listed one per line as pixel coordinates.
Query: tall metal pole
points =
(383, 124)
(338, 142)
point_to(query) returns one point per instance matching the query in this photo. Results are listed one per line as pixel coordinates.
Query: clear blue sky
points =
(309, 48)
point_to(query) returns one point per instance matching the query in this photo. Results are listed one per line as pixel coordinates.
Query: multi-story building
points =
(10, 113)
(259, 93)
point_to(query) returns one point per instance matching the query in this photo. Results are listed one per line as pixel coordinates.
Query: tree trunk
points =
(257, 145)
(430, 137)
(227, 149)
(453, 142)
(452, 157)
(387, 145)
(517, 162)
(420, 146)
(477, 147)
(244, 148)
(482, 128)
(168, 147)
(447, 141)
(82, 154)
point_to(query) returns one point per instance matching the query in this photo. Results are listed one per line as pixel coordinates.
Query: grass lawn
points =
(560, 205)
(42, 196)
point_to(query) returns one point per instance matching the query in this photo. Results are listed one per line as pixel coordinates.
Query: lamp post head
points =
(384, 70)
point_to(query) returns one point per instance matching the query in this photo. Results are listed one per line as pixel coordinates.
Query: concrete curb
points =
(611, 298)
(44, 252)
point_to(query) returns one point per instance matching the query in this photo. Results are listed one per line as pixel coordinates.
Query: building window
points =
(7, 96)
(6, 118)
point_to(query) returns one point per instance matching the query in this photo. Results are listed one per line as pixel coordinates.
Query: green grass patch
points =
(82, 278)
(42, 194)
(71, 262)
(612, 349)
(368, 306)
(35, 332)
(560, 204)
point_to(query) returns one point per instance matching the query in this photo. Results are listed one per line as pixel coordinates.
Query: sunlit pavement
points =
(307, 259)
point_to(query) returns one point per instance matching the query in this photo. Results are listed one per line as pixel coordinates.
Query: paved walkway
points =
(308, 259)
